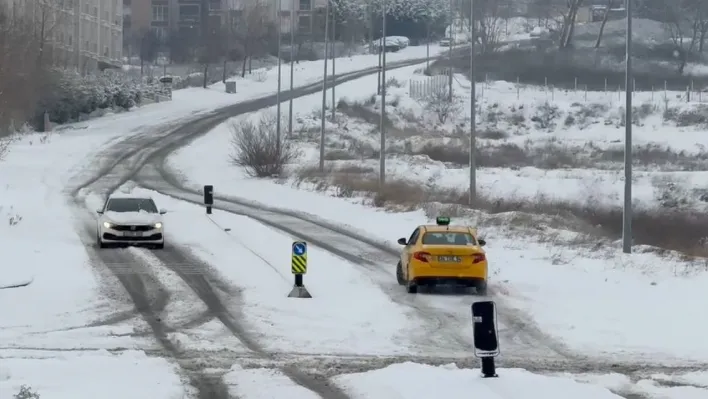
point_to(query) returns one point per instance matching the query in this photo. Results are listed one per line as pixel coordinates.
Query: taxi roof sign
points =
(442, 220)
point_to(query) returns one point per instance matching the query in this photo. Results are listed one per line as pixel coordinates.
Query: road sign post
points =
(208, 198)
(485, 331)
(298, 267)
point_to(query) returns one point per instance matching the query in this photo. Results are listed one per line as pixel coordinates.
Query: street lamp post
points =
(382, 152)
(280, 34)
(292, 67)
(334, 60)
(473, 111)
(627, 209)
(324, 90)
(452, 41)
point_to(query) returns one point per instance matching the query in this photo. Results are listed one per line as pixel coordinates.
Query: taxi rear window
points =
(449, 238)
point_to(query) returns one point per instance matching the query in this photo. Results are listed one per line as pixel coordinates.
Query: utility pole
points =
(324, 90)
(382, 152)
(452, 42)
(280, 64)
(473, 112)
(628, 82)
(334, 58)
(292, 66)
(381, 49)
(427, 46)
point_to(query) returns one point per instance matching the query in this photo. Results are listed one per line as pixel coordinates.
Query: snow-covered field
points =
(63, 336)
(569, 139)
(411, 380)
(555, 283)
(41, 247)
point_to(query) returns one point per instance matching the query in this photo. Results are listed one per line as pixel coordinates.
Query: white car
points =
(130, 220)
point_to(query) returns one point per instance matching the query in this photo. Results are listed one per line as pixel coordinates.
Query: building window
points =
(189, 13)
(303, 23)
(305, 5)
(159, 13)
(159, 31)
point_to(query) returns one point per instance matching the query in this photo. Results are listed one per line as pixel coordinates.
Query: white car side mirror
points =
(163, 211)
(99, 211)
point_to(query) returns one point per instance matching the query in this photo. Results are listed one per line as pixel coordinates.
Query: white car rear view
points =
(130, 220)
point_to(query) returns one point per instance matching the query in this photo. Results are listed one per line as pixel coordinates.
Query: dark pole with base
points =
(486, 332)
(208, 198)
(489, 369)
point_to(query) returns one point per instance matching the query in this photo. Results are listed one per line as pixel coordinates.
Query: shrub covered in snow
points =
(258, 149)
(4, 147)
(69, 95)
(26, 393)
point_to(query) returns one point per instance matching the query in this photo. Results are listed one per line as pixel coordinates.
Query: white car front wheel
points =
(99, 242)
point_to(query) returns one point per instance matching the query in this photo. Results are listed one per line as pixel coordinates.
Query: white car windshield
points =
(131, 205)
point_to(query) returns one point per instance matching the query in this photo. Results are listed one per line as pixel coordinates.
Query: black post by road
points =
(208, 198)
(486, 333)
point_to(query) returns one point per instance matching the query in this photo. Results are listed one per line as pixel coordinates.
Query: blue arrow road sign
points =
(299, 248)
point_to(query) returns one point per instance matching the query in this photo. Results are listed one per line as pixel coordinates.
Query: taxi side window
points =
(414, 238)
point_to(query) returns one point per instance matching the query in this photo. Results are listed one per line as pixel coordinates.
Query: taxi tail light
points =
(476, 258)
(422, 256)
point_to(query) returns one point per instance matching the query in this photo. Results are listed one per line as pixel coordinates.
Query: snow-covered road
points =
(208, 315)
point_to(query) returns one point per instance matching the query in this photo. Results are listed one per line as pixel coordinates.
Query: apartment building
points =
(85, 34)
(165, 16)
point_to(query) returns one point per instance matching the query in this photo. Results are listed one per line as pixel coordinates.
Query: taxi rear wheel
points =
(481, 288)
(399, 274)
(411, 287)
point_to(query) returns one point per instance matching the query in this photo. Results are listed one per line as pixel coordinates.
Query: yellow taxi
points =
(442, 254)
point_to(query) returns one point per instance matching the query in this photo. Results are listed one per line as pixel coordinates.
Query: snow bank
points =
(414, 381)
(91, 375)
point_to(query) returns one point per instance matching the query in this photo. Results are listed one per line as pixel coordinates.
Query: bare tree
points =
(569, 15)
(149, 46)
(49, 20)
(20, 73)
(545, 12)
(701, 24)
(254, 30)
(683, 23)
(605, 17)
(487, 23)
(351, 19)
(211, 50)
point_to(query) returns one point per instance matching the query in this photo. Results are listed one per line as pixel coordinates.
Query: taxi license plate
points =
(449, 259)
(133, 234)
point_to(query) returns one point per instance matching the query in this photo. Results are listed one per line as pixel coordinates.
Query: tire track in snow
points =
(536, 347)
(117, 165)
(441, 323)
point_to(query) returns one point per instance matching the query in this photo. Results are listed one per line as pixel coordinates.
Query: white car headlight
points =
(158, 225)
(107, 225)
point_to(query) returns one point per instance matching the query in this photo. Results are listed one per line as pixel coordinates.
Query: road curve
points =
(118, 164)
(525, 344)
